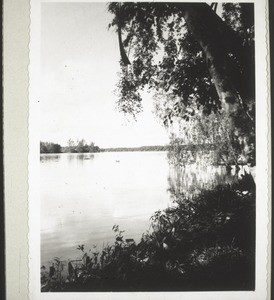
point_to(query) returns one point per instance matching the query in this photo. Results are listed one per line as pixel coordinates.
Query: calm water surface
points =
(84, 195)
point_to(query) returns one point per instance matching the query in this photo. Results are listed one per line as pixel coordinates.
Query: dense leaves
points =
(166, 57)
(189, 68)
(200, 133)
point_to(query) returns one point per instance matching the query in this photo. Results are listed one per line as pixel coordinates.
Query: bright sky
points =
(79, 73)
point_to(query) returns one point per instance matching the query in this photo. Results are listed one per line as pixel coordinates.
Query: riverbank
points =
(203, 243)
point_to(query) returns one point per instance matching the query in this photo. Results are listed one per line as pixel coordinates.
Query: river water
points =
(84, 195)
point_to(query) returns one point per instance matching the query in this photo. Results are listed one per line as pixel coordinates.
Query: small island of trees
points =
(46, 147)
(80, 146)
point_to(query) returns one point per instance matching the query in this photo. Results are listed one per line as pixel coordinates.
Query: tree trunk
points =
(217, 40)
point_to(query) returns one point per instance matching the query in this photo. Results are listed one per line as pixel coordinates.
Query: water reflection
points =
(79, 156)
(191, 179)
(49, 158)
(84, 195)
(70, 157)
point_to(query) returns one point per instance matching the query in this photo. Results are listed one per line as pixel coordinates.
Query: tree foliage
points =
(46, 147)
(203, 59)
(164, 55)
(80, 146)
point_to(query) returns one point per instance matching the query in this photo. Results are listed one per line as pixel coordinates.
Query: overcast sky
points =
(79, 73)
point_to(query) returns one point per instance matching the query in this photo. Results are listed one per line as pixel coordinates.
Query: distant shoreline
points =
(141, 149)
(108, 151)
(132, 149)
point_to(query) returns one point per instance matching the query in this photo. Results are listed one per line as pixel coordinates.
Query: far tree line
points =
(80, 146)
(142, 148)
(181, 146)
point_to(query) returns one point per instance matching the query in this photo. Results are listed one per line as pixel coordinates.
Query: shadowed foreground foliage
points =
(203, 243)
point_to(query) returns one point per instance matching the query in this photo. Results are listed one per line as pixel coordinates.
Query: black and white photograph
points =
(147, 133)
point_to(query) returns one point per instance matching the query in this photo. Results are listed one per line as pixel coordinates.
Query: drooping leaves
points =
(164, 55)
